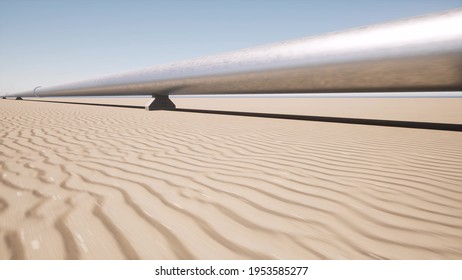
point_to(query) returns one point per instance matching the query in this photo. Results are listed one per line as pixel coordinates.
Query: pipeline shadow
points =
(359, 121)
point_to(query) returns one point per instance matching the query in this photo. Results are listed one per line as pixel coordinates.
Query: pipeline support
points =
(160, 102)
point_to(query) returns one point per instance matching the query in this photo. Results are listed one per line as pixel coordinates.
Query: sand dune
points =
(89, 182)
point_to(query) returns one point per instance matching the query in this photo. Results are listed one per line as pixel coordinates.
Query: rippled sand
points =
(90, 182)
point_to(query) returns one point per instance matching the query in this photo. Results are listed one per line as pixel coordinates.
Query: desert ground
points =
(98, 182)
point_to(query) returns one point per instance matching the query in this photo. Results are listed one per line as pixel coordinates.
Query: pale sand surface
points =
(438, 110)
(91, 182)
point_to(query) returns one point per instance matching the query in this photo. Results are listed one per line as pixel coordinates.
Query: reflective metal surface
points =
(418, 54)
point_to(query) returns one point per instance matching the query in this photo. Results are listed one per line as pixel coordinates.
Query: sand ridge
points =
(89, 182)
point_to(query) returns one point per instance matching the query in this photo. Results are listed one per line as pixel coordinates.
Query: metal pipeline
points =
(418, 54)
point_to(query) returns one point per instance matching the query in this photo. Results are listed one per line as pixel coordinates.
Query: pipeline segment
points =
(418, 54)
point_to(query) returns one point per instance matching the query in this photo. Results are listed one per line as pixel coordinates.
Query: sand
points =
(92, 182)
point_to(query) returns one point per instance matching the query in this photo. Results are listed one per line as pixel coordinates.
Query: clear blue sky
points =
(47, 42)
